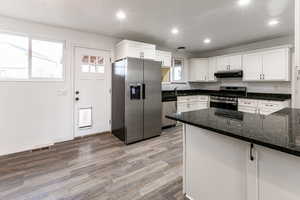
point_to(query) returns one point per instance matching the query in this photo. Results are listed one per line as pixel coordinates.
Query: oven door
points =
(224, 105)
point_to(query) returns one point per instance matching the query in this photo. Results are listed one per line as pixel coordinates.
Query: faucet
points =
(175, 90)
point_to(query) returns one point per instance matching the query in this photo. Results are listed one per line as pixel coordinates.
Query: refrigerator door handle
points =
(140, 85)
(144, 91)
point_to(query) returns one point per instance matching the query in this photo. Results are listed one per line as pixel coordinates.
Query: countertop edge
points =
(250, 95)
(253, 141)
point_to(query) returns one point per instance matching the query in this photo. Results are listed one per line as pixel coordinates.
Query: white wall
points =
(296, 71)
(34, 114)
(286, 40)
(264, 87)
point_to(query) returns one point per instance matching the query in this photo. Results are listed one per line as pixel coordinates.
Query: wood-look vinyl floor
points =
(97, 168)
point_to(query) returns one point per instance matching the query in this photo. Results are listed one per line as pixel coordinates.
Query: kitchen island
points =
(241, 156)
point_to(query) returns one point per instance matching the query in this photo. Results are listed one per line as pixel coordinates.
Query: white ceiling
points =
(151, 20)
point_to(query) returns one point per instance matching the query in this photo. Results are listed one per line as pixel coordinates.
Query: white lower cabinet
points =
(220, 167)
(274, 175)
(262, 107)
(191, 103)
(214, 166)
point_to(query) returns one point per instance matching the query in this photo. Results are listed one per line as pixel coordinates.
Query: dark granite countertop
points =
(279, 131)
(170, 94)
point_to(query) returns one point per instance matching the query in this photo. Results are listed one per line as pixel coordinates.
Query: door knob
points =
(77, 92)
(77, 99)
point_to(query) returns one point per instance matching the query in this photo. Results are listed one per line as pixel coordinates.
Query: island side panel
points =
(184, 158)
(278, 175)
(215, 165)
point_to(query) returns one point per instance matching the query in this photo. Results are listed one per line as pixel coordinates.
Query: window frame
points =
(30, 78)
(172, 70)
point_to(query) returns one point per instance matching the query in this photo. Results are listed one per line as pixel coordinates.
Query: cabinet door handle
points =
(142, 54)
(251, 152)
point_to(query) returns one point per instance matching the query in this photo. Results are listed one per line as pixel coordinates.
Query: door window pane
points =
(47, 59)
(92, 64)
(13, 57)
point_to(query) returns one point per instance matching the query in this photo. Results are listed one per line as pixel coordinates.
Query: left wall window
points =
(24, 58)
(14, 57)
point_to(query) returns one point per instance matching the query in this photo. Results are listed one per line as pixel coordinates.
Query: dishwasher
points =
(169, 106)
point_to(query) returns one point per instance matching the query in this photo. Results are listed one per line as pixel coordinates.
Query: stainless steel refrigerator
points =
(136, 99)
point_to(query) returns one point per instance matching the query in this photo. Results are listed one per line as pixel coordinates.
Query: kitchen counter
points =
(279, 131)
(167, 94)
(244, 156)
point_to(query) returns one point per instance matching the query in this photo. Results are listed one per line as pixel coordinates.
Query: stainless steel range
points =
(227, 97)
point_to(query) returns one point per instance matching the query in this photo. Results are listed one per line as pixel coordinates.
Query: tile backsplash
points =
(260, 87)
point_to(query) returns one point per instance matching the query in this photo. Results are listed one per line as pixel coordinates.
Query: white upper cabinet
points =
(252, 66)
(276, 65)
(232, 62)
(165, 57)
(235, 62)
(212, 68)
(222, 63)
(272, 65)
(198, 69)
(133, 49)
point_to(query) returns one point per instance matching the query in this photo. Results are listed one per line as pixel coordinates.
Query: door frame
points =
(73, 47)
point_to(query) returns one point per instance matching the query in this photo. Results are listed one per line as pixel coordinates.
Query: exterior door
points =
(152, 99)
(91, 95)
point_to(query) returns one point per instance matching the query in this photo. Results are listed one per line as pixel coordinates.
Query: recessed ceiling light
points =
(207, 41)
(174, 31)
(243, 2)
(273, 22)
(121, 15)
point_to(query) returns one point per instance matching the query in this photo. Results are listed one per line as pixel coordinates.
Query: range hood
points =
(229, 74)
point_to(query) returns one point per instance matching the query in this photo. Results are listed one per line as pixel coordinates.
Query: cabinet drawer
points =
(270, 104)
(265, 111)
(197, 98)
(247, 109)
(198, 106)
(184, 99)
(248, 102)
(186, 107)
(183, 107)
